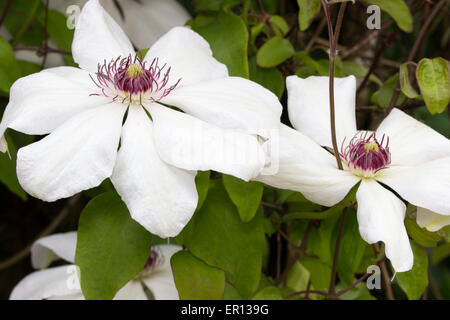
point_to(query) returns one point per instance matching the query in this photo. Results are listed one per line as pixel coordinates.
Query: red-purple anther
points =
(365, 156)
(129, 80)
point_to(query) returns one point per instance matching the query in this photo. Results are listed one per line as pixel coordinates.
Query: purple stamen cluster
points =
(130, 80)
(364, 155)
(154, 260)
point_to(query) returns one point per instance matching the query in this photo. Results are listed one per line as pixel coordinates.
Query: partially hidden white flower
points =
(144, 21)
(430, 220)
(403, 155)
(213, 127)
(62, 282)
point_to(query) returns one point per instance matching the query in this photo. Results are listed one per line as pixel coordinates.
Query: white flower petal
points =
(43, 101)
(98, 38)
(309, 107)
(54, 283)
(188, 55)
(131, 291)
(426, 185)
(306, 167)
(145, 23)
(189, 143)
(380, 218)
(77, 156)
(160, 281)
(160, 197)
(431, 220)
(47, 249)
(232, 103)
(410, 141)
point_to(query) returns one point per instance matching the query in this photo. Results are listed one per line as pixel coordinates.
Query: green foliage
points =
(8, 170)
(398, 10)
(270, 78)
(217, 236)
(195, 280)
(405, 82)
(111, 247)
(433, 76)
(245, 195)
(415, 281)
(307, 12)
(232, 49)
(274, 52)
(9, 69)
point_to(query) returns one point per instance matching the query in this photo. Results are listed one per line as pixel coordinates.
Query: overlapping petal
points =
(380, 218)
(431, 220)
(410, 141)
(160, 197)
(189, 143)
(146, 22)
(77, 156)
(54, 283)
(309, 107)
(47, 249)
(98, 38)
(41, 102)
(305, 167)
(188, 55)
(232, 103)
(425, 185)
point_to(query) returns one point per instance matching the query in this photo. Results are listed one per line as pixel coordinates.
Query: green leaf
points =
(405, 81)
(440, 253)
(274, 52)
(202, 183)
(415, 281)
(351, 250)
(268, 293)
(195, 280)
(8, 174)
(9, 69)
(398, 10)
(279, 25)
(27, 68)
(313, 215)
(308, 10)
(58, 31)
(269, 78)
(298, 277)
(230, 49)
(111, 247)
(383, 96)
(359, 71)
(421, 236)
(320, 272)
(433, 76)
(217, 236)
(245, 195)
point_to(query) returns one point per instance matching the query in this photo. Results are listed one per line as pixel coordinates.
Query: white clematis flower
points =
(144, 22)
(431, 220)
(154, 169)
(62, 283)
(402, 154)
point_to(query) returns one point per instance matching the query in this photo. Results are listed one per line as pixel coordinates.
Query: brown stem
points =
(305, 292)
(385, 273)
(5, 11)
(333, 39)
(331, 290)
(45, 34)
(354, 284)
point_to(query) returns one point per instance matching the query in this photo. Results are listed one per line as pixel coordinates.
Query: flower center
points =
(365, 156)
(131, 81)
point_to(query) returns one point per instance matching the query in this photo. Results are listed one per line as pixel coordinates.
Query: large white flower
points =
(430, 220)
(144, 22)
(403, 155)
(62, 283)
(154, 169)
